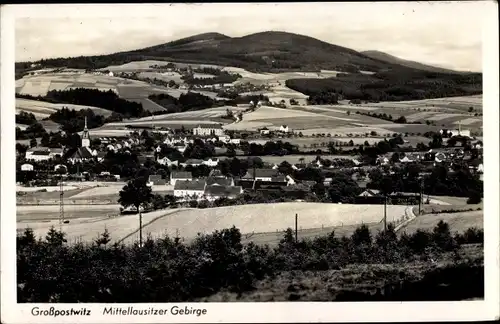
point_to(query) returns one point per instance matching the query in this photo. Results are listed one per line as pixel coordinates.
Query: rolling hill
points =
(381, 56)
(269, 51)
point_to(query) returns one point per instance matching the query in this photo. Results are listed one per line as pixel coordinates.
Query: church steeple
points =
(85, 135)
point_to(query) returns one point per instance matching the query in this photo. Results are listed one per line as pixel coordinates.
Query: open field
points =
(46, 216)
(260, 218)
(459, 222)
(199, 115)
(295, 158)
(43, 109)
(306, 122)
(274, 238)
(189, 222)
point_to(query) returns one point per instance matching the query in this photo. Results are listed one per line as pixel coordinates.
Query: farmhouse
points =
(208, 130)
(260, 174)
(216, 192)
(219, 181)
(180, 175)
(189, 189)
(38, 155)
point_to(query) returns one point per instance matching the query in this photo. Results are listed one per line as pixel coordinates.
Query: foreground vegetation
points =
(168, 270)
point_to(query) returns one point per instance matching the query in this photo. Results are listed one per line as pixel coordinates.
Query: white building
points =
(38, 154)
(85, 135)
(27, 167)
(284, 129)
(261, 174)
(211, 162)
(215, 192)
(179, 175)
(166, 161)
(189, 189)
(208, 130)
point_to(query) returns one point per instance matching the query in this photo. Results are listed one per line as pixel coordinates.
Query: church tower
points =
(85, 136)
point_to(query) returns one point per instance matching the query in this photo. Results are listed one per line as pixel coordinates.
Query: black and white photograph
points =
(166, 157)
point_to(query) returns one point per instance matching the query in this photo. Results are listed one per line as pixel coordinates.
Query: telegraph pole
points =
(296, 228)
(385, 212)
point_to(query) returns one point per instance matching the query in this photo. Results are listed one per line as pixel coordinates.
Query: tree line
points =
(395, 85)
(168, 270)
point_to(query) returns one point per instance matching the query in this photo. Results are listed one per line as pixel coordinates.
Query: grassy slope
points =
(360, 282)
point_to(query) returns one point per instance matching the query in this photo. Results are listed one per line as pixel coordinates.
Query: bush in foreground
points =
(166, 270)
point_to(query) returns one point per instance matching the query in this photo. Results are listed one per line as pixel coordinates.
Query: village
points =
(203, 176)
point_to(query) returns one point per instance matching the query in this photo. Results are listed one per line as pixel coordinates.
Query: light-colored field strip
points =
(440, 117)
(263, 218)
(87, 229)
(188, 223)
(469, 121)
(419, 116)
(458, 222)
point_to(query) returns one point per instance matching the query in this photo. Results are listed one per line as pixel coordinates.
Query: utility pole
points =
(296, 228)
(140, 227)
(385, 212)
(61, 201)
(421, 196)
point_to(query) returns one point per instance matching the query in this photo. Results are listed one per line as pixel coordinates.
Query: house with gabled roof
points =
(192, 162)
(189, 189)
(219, 181)
(81, 154)
(208, 130)
(179, 175)
(370, 193)
(214, 192)
(260, 174)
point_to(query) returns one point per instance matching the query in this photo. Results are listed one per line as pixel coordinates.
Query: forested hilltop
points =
(269, 51)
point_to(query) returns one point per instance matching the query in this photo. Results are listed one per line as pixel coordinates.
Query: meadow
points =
(89, 220)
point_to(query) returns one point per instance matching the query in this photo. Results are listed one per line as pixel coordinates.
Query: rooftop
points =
(181, 175)
(223, 190)
(195, 185)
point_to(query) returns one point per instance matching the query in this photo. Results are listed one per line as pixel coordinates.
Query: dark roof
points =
(38, 148)
(278, 179)
(41, 152)
(211, 158)
(181, 175)
(189, 185)
(101, 154)
(223, 190)
(56, 150)
(216, 173)
(261, 173)
(82, 153)
(218, 181)
(154, 177)
(210, 126)
(193, 161)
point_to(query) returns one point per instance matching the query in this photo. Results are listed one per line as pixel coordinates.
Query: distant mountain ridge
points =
(269, 51)
(411, 64)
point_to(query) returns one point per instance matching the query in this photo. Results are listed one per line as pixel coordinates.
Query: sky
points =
(446, 34)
